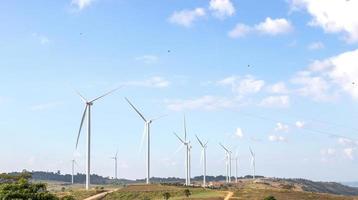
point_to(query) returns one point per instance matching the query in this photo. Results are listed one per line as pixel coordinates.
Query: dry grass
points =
(155, 192)
(258, 191)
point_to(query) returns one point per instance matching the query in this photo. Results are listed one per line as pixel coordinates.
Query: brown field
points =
(155, 192)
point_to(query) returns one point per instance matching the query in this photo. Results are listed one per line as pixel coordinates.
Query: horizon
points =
(278, 76)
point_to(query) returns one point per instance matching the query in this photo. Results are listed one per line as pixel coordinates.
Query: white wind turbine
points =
(87, 110)
(146, 132)
(228, 163)
(115, 158)
(203, 155)
(186, 143)
(253, 160)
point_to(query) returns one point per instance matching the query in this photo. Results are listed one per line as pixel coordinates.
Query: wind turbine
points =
(186, 143)
(87, 110)
(228, 163)
(146, 132)
(115, 158)
(203, 154)
(253, 160)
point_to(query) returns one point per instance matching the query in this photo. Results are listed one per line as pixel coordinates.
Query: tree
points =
(19, 187)
(166, 195)
(270, 198)
(187, 192)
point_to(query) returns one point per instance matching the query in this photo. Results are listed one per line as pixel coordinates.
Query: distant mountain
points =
(351, 184)
(320, 187)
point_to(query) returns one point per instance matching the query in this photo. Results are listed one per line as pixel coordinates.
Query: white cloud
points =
(239, 133)
(148, 59)
(207, 103)
(281, 127)
(240, 30)
(325, 79)
(276, 101)
(274, 26)
(316, 46)
(277, 138)
(186, 17)
(278, 88)
(300, 124)
(222, 8)
(313, 86)
(348, 152)
(154, 82)
(245, 85)
(347, 142)
(333, 16)
(81, 4)
(45, 106)
(269, 27)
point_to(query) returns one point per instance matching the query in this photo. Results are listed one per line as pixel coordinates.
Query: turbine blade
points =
(161, 116)
(179, 138)
(105, 94)
(184, 128)
(143, 138)
(199, 141)
(252, 153)
(178, 149)
(135, 109)
(202, 156)
(227, 151)
(116, 153)
(82, 120)
(81, 96)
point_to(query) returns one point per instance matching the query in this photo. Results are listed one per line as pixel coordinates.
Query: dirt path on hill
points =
(100, 195)
(229, 195)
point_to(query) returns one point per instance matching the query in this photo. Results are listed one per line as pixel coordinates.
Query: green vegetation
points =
(19, 187)
(166, 195)
(187, 193)
(270, 198)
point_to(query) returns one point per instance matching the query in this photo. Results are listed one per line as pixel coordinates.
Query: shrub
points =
(270, 198)
(68, 197)
(166, 195)
(187, 192)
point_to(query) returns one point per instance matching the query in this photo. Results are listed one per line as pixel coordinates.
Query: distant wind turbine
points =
(228, 163)
(186, 143)
(253, 160)
(203, 155)
(146, 132)
(115, 158)
(87, 110)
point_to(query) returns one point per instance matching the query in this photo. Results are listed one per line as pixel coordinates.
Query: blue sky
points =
(279, 76)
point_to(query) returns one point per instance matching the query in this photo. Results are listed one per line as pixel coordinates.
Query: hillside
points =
(320, 187)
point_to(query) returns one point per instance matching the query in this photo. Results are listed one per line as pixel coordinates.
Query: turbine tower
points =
(253, 162)
(146, 132)
(115, 158)
(73, 170)
(236, 159)
(87, 110)
(228, 163)
(186, 143)
(203, 156)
